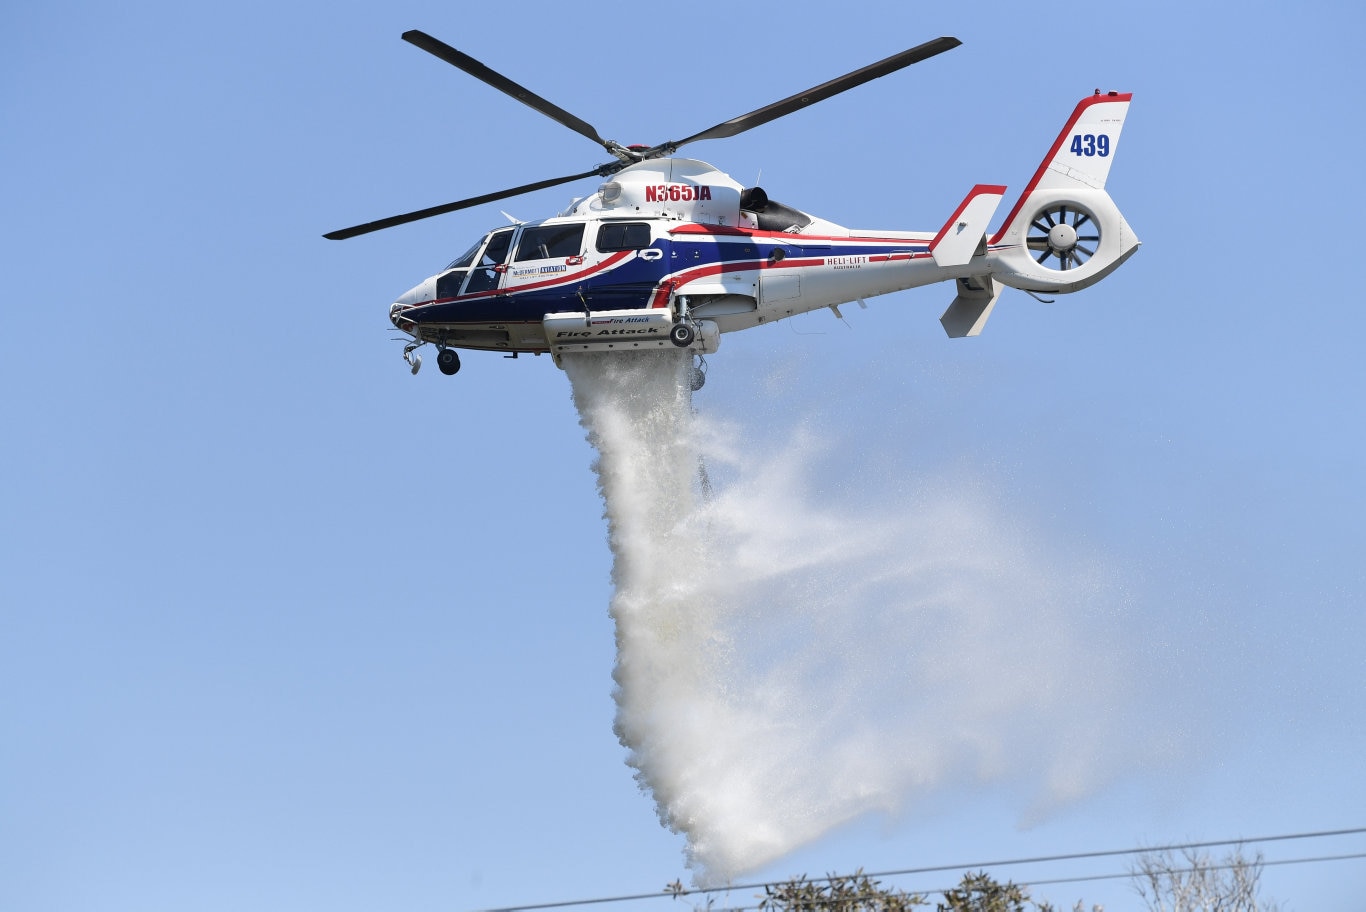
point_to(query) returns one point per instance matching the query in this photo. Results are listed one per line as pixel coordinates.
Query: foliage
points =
(980, 893)
(843, 893)
(859, 893)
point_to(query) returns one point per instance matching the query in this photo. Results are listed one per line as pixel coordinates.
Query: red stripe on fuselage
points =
(789, 237)
(666, 287)
(612, 261)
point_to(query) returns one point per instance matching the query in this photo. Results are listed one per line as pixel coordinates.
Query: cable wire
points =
(936, 869)
(1086, 878)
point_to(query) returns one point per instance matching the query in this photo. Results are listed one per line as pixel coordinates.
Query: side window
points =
(550, 242)
(613, 236)
(484, 276)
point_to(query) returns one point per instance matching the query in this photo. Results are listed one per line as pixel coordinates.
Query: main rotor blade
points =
(420, 214)
(502, 83)
(811, 96)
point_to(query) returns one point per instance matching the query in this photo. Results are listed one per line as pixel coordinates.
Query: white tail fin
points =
(1065, 233)
(1086, 146)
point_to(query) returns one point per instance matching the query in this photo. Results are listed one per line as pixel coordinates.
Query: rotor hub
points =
(1062, 237)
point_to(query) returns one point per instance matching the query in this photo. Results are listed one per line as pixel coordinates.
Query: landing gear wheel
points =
(448, 361)
(682, 335)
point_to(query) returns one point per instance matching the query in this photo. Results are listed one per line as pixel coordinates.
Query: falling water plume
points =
(792, 655)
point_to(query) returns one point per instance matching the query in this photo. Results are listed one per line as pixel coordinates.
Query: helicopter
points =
(671, 252)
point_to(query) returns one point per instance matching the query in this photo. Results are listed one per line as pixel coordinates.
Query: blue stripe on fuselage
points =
(632, 284)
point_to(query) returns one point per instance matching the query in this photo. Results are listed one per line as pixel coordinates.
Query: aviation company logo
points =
(538, 270)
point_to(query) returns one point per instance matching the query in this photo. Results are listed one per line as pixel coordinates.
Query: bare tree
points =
(1195, 882)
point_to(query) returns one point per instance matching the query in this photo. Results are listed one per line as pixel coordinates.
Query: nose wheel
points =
(448, 362)
(446, 358)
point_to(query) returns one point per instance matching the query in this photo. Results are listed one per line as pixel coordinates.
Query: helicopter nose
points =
(420, 293)
(396, 317)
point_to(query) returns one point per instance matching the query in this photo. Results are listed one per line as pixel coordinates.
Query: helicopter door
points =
(551, 248)
(632, 282)
(546, 255)
(491, 264)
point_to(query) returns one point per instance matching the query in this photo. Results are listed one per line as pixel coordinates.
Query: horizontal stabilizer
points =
(962, 234)
(969, 311)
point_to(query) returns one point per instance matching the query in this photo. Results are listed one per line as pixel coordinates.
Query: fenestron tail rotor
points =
(1065, 236)
(622, 155)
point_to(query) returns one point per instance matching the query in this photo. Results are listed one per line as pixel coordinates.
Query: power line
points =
(1075, 856)
(1067, 879)
(1210, 867)
(1087, 878)
(936, 869)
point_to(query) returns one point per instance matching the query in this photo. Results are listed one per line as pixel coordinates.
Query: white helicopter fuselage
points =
(671, 251)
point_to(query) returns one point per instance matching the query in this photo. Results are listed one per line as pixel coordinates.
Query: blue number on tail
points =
(1090, 145)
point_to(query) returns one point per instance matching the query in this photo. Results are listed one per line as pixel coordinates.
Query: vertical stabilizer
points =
(1064, 233)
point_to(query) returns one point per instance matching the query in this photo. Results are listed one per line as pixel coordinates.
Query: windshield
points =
(467, 257)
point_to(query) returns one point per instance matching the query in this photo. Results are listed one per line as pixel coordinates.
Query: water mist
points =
(790, 657)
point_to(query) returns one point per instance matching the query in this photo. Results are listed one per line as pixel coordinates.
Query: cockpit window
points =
(550, 241)
(448, 283)
(497, 251)
(485, 276)
(614, 236)
(466, 258)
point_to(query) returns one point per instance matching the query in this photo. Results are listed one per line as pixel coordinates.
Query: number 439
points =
(1091, 145)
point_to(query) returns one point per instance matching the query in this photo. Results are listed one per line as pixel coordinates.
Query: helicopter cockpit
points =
(453, 276)
(480, 264)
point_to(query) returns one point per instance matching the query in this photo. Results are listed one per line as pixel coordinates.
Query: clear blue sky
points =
(283, 627)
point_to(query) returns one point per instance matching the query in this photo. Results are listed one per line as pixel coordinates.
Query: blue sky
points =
(283, 626)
